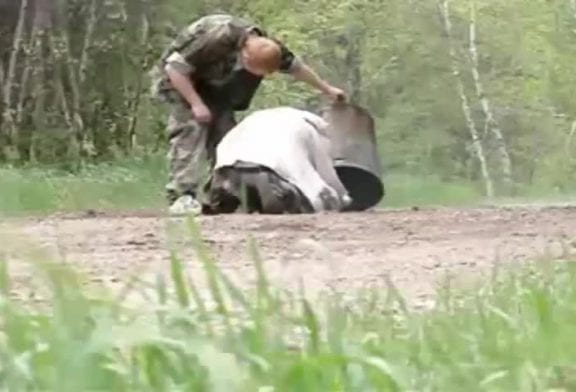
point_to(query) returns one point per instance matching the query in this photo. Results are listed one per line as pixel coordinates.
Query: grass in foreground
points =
(514, 333)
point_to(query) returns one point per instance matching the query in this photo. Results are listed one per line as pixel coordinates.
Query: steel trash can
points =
(355, 152)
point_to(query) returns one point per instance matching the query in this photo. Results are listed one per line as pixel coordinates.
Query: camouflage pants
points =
(192, 147)
(253, 188)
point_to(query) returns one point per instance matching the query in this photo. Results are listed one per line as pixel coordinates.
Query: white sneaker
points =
(185, 205)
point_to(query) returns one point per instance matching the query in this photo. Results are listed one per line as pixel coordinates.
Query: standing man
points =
(212, 69)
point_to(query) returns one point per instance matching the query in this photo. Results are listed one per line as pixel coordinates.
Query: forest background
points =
(472, 99)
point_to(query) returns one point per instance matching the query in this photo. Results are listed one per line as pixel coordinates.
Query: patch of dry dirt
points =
(415, 248)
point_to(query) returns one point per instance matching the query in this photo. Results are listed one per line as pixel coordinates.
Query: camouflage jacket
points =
(208, 50)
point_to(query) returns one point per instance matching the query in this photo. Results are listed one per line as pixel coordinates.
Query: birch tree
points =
(491, 124)
(472, 128)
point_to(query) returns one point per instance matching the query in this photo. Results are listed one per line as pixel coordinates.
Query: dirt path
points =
(415, 248)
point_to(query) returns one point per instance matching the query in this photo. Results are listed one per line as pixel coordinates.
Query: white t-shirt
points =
(292, 143)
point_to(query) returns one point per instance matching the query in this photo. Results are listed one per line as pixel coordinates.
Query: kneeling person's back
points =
(288, 148)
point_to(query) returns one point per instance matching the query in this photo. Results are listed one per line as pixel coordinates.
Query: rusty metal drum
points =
(354, 149)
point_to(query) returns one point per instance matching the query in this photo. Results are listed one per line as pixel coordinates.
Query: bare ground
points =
(415, 248)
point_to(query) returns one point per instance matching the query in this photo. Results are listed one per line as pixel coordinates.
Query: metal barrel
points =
(354, 150)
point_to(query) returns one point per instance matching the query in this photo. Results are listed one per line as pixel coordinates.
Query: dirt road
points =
(414, 247)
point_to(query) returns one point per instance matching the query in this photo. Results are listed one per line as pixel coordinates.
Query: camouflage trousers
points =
(253, 188)
(192, 147)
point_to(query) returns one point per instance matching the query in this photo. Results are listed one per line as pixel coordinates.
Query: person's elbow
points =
(168, 68)
(176, 70)
(177, 66)
(296, 69)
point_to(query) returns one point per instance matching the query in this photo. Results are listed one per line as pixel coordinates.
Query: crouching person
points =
(275, 161)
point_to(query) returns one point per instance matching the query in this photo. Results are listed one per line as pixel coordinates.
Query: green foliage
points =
(390, 56)
(514, 332)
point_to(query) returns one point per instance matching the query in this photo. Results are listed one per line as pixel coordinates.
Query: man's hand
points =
(201, 112)
(336, 94)
(184, 86)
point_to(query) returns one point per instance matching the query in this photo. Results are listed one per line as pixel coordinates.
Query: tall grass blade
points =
(203, 312)
(209, 267)
(4, 278)
(179, 281)
(313, 326)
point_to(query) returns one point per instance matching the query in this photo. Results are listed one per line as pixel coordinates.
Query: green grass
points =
(138, 183)
(134, 184)
(407, 191)
(512, 333)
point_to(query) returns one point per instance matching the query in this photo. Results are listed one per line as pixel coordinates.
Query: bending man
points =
(276, 161)
(212, 69)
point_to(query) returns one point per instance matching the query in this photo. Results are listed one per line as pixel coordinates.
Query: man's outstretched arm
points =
(295, 66)
(304, 73)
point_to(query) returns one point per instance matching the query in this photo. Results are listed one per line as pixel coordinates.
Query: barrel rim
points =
(376, 185)
(340, 106)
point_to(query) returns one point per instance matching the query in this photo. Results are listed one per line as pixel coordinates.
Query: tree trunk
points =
(135, 103)
(491, 123)
(69, 69)
(24, 92)
(8, 122)
(43, 25)
(88, 38)
(1, 89)
(569, 140)
(1, 76)
(353, 63)
(476, 143)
